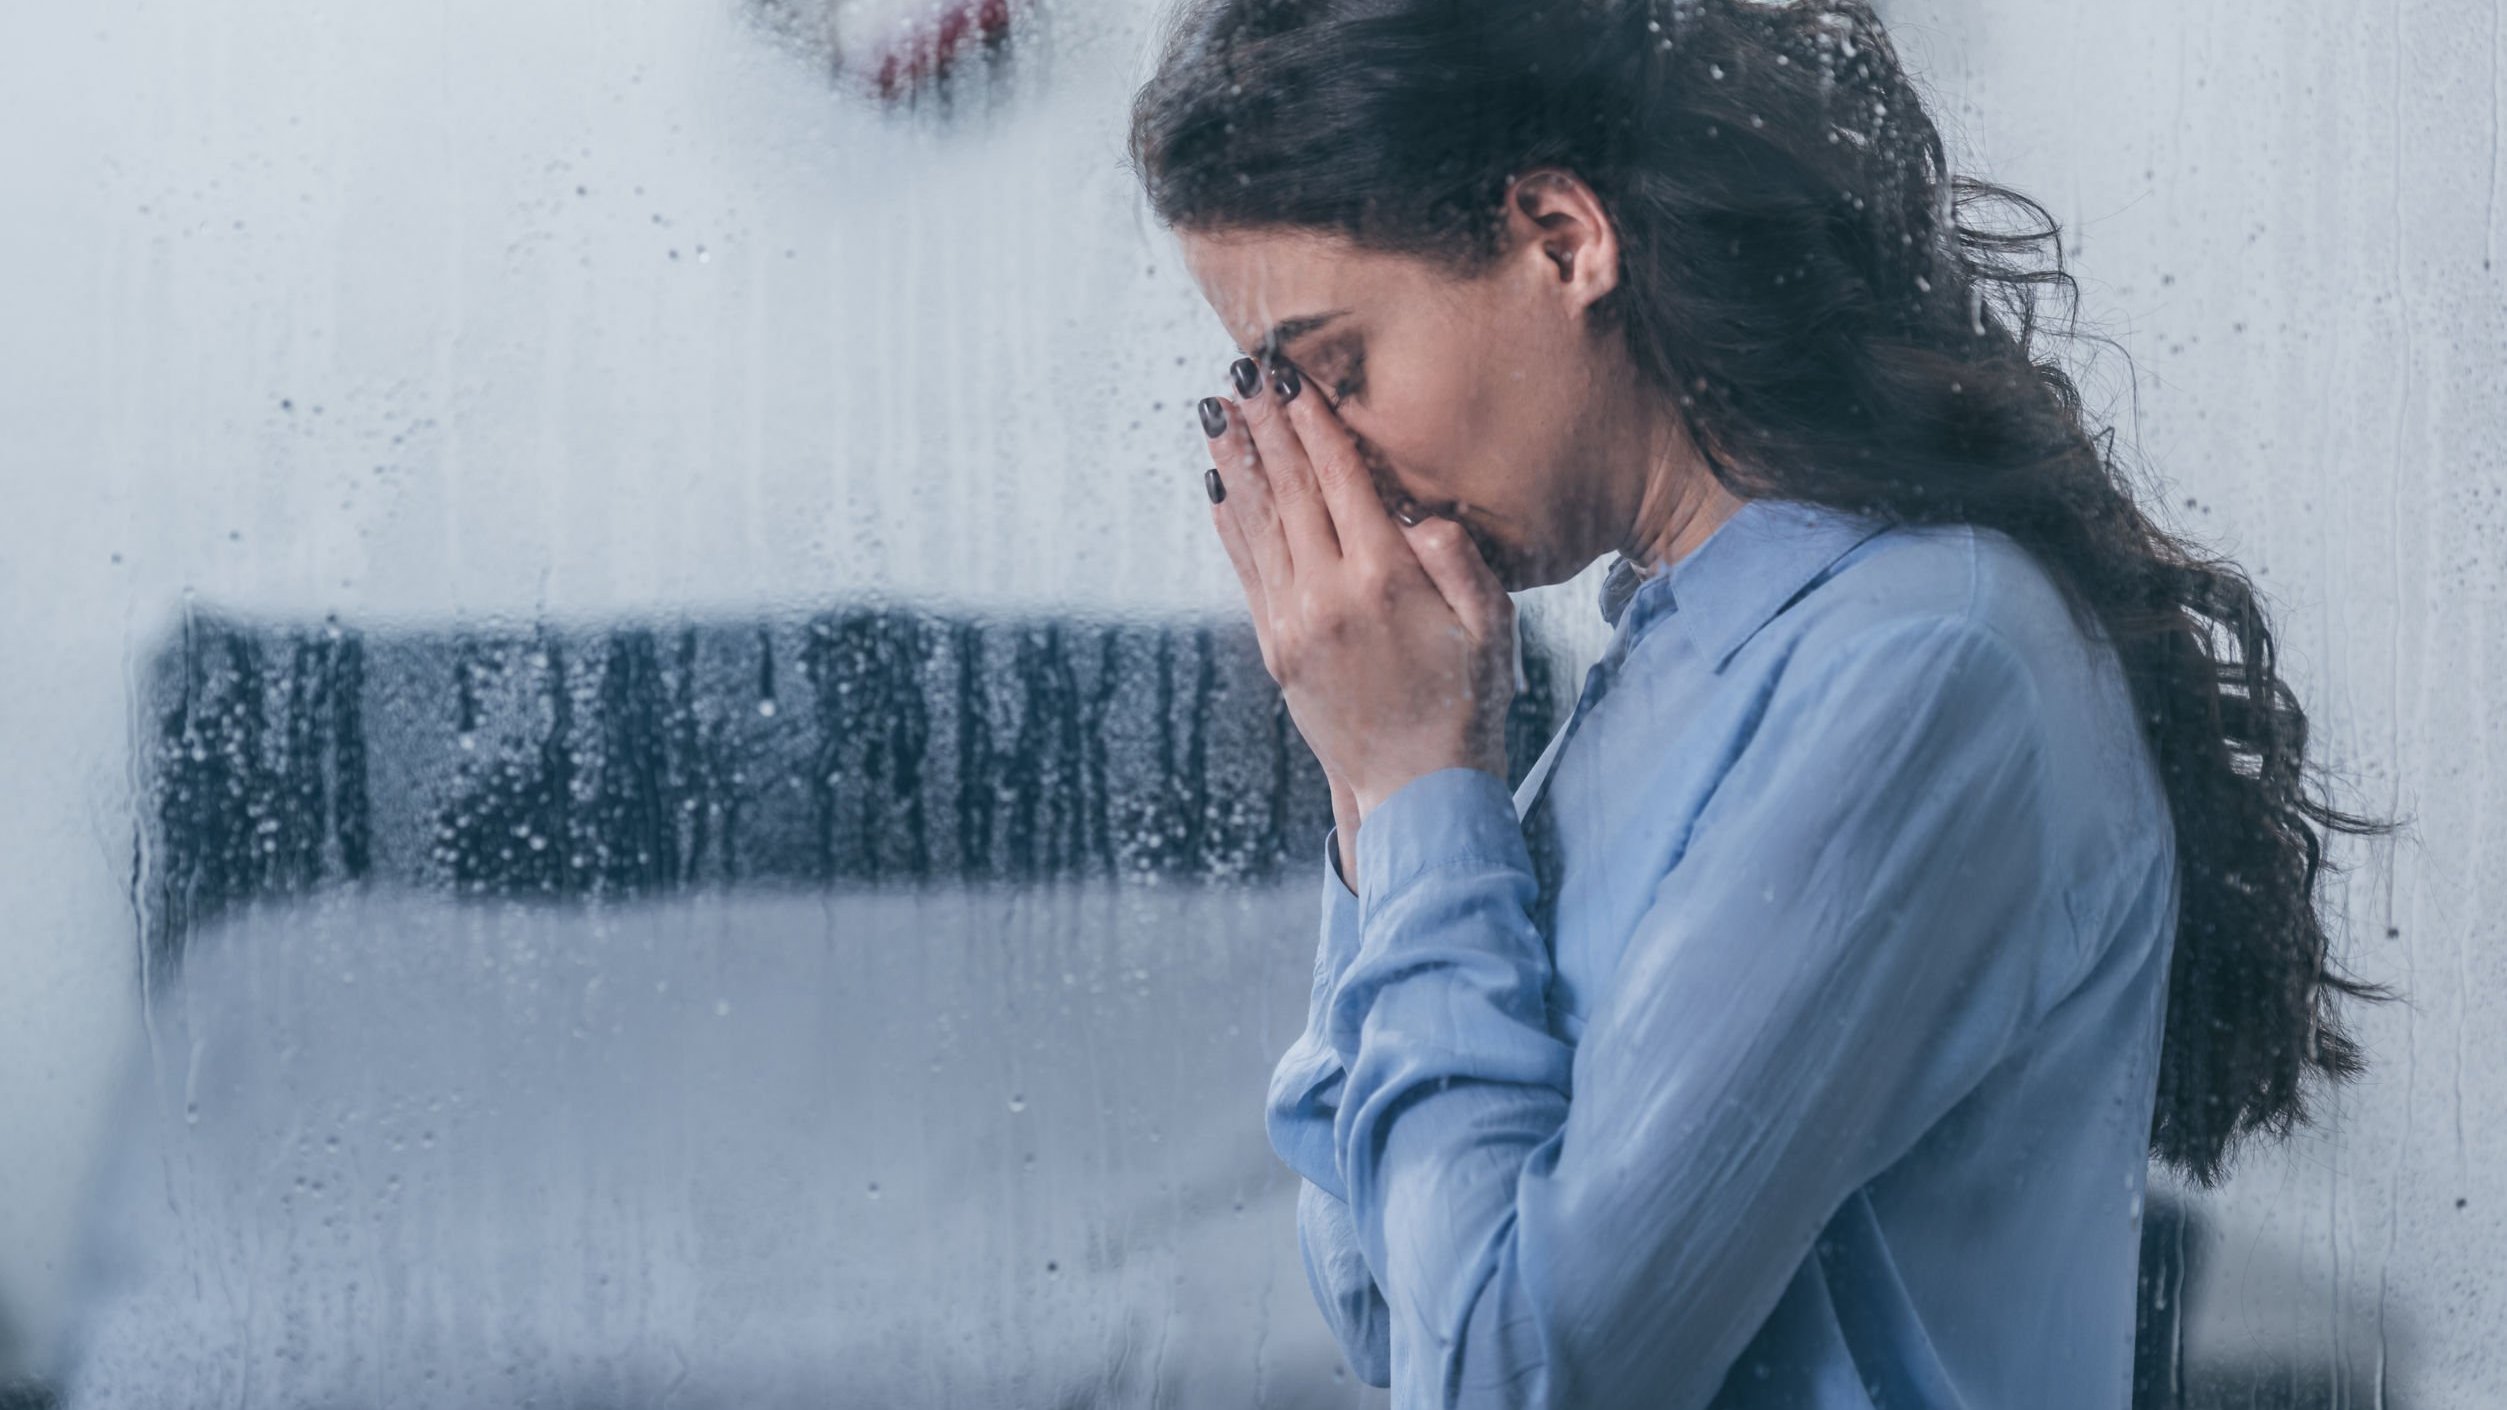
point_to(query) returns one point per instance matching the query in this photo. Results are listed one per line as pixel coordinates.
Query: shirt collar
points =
(1749, 569)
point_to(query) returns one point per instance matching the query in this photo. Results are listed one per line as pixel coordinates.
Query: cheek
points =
(1408, 453)
(1419, 428)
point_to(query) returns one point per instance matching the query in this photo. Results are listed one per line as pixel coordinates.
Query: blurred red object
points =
(922, 45)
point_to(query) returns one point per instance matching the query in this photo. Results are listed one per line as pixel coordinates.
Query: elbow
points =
(1364, 1346)
(1344, 1289)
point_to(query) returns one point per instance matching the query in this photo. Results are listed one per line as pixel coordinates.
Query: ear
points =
(1557, 227)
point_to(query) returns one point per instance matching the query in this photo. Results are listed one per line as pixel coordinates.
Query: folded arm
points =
(1304, 1100)
(1847, 944)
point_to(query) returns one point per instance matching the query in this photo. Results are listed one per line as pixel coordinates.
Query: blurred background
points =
(630, 780)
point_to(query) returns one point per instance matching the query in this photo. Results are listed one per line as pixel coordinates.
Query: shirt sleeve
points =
(1847, 943)
(1304, 1100)
(1343, 1286)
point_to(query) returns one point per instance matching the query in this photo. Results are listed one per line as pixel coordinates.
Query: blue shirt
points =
(1789, 1038)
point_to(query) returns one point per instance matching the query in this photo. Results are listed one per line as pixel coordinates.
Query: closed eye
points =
(1352, 379)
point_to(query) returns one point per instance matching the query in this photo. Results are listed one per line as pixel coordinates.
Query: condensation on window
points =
(632, 779)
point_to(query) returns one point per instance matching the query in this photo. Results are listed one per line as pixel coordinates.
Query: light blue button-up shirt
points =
(1789, 1038)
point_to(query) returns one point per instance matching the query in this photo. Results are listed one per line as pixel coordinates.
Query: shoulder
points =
(1953, 579)
(1961, 629)
(1931, 682)
(1891, 604)
(1911, 592)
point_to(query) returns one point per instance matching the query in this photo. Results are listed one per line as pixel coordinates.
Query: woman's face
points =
(1487, 400)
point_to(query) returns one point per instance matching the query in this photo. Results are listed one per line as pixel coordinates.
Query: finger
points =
(1239, 553)
(1298, 501)
(1248, 503)
(1342, 477)
(1240, 556)
(1454, 564)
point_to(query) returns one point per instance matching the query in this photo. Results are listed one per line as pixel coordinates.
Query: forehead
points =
(1255, 280)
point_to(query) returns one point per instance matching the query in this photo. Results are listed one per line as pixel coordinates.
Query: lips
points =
(1399, 503)
(1500, 558)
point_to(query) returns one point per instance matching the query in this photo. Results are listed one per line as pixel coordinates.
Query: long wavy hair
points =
(1840, 320)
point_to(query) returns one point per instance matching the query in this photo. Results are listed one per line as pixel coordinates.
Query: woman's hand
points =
(1393, 643)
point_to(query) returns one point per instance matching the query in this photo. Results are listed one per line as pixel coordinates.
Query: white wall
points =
(375, 309)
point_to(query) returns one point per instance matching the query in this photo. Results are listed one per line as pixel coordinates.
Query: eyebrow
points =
(1289, 330)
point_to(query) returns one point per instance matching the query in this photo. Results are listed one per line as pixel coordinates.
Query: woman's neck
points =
(1681, 504)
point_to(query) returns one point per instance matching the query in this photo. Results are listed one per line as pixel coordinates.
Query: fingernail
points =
(1247, 375)
(1213, 417)
(1286, 382)
(1211, 482)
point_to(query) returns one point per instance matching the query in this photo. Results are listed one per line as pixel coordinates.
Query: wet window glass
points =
(647, 761)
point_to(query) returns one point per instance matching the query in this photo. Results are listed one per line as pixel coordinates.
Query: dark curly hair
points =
(1841, 321)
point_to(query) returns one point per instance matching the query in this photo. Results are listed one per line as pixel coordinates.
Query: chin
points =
(1526, 580)
(1515, 569)
(1516, 578)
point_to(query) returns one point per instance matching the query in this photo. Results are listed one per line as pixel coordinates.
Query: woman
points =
(1932, 845)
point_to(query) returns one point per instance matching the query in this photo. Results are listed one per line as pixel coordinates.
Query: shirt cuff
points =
(1452, 817)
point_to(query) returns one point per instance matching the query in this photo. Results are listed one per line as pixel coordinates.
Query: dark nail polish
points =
(1211, 482)
(1213, 417)
(1286, 382)
(1247, 376)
